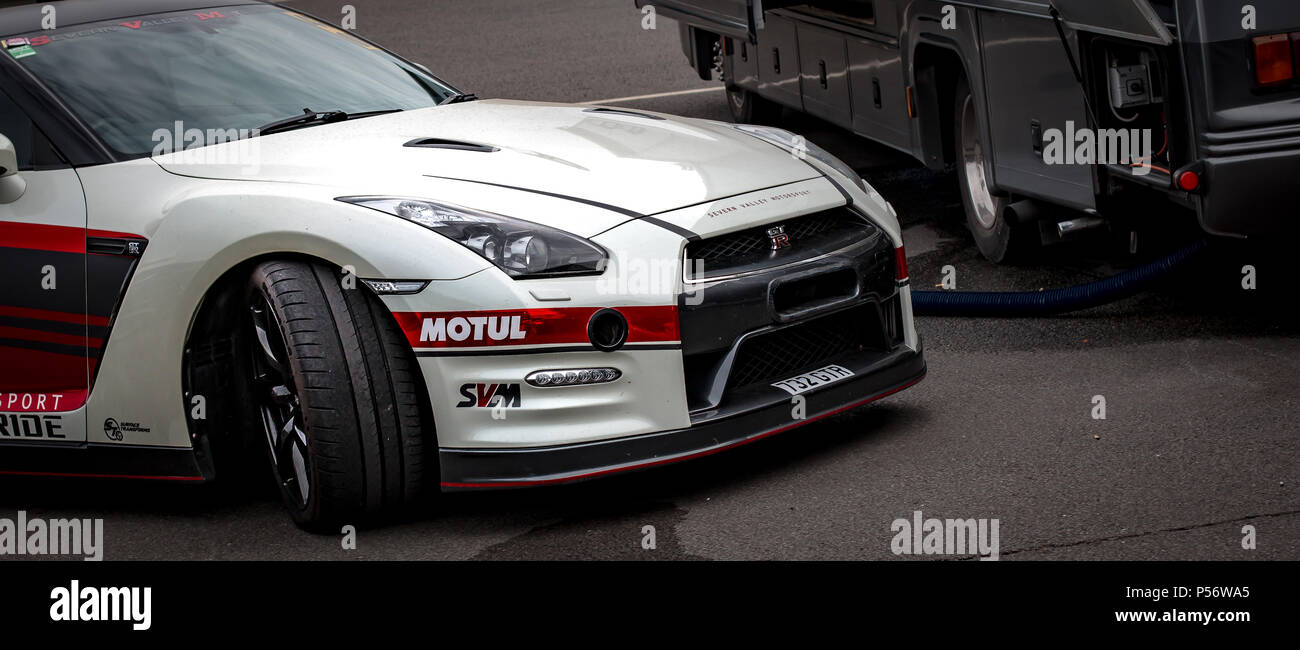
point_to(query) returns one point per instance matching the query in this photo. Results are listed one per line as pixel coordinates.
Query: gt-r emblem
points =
(779, 238)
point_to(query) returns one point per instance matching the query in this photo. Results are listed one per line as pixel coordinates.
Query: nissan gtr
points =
(236, 237)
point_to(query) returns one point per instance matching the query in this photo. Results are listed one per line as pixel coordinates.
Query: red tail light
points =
(1273, 59)
(900, 264)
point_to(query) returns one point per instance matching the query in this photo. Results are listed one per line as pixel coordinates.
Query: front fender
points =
(200, 229)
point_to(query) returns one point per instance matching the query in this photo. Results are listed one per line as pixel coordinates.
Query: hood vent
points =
(619, 111)
(439, 143)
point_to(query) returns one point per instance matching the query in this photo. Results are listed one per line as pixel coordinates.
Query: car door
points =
(46, 339)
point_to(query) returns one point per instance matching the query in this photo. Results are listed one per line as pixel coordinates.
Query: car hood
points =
(632, 160)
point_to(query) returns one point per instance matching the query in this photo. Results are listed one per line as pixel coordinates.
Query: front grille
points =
(807, 346)
(813, 225)
(749, 249)
(720, 251)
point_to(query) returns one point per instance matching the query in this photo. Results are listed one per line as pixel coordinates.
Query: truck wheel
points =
(338, 394)
(997, 239)
(747, 107)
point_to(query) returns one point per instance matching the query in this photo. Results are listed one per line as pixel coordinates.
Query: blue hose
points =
(1055, 301)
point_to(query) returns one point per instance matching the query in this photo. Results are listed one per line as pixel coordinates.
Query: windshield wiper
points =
(459, 98)
(313, 118)
(308, 118)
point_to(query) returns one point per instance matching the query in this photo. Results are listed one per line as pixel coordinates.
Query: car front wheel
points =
(338, 395)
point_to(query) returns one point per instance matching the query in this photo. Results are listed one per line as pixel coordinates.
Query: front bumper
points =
(874, 377)
(707, 344)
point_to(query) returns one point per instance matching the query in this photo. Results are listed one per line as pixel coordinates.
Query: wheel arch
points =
(937, 57)
(206, 314)
(210, 360)
(936, 67)
(210, 366)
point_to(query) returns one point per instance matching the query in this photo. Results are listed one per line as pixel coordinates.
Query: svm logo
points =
(490, 395)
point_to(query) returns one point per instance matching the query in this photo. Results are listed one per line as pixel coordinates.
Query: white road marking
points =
(675, 93)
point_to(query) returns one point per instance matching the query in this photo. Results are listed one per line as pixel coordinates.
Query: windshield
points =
(226, 69)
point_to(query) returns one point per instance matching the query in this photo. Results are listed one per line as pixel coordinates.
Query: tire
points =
(747, 107)
(330, 366)
(998, 240)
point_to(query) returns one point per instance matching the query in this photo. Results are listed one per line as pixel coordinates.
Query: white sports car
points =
(232, 230)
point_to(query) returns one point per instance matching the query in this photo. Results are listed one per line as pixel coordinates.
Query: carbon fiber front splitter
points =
(464, 469)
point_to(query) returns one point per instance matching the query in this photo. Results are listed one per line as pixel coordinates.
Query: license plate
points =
(813, 380)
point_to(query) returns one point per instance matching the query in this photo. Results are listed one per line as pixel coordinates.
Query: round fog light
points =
(607, 330)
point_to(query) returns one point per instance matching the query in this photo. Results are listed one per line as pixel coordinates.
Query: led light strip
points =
(573, 377)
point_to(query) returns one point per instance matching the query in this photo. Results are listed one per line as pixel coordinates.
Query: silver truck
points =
(1058, 116)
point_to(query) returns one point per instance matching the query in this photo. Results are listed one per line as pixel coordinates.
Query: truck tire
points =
(999, 240)
(747, 107)
(338, 394)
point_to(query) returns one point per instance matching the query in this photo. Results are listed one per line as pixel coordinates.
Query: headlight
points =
(798, 145)
(520, 248)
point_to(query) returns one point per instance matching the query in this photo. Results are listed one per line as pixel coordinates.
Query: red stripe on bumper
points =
(565, 325)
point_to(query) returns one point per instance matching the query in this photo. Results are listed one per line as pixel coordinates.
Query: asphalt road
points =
(1198, 375)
